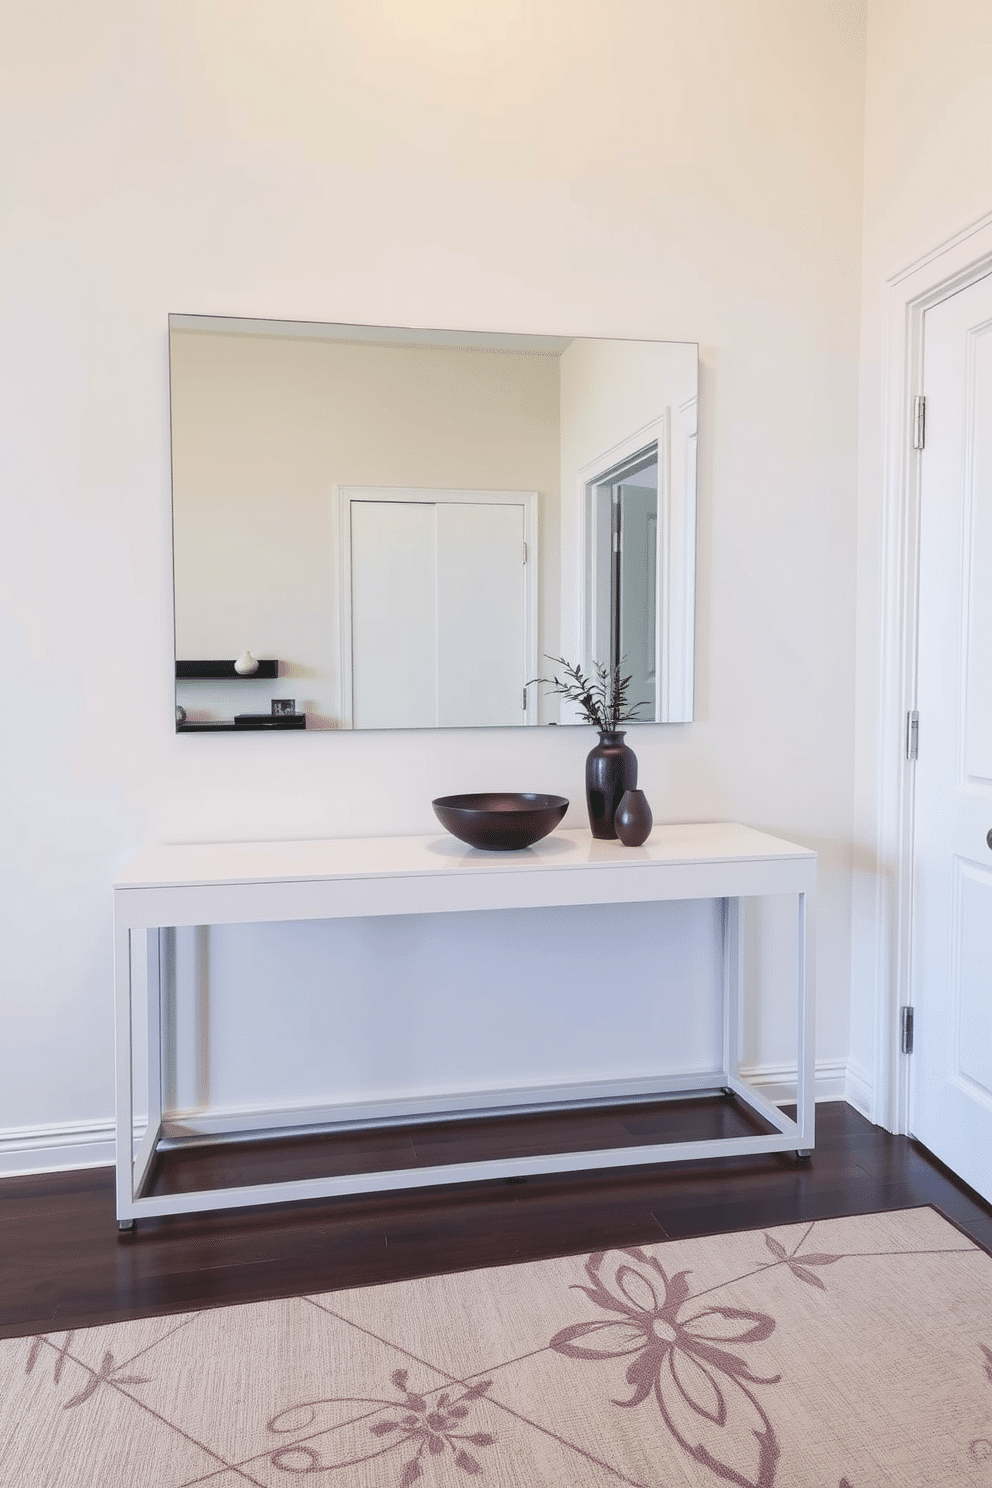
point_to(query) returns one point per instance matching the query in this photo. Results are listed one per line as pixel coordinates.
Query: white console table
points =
(242, 883)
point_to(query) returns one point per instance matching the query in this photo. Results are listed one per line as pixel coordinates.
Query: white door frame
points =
(345, 497)
(909, 293)
(675, 616)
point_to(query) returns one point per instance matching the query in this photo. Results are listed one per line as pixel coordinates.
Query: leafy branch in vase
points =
(604, 699)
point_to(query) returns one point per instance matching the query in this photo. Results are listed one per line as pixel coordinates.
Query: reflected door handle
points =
(988, 837)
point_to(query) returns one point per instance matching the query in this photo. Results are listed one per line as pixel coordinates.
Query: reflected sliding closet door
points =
(438, 614)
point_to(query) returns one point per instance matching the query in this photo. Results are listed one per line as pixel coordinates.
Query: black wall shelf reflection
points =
(219, 670)
(242, 722)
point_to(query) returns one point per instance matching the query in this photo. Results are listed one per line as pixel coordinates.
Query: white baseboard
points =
(778, 1082)
(857, 1088)
(46, 1149)
(248, 1120)
(90, 1144)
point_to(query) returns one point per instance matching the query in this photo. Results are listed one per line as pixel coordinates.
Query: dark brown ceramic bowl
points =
(500, 822)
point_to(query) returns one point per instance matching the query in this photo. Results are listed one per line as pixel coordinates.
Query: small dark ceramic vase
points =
(633, 820)
(611, 769)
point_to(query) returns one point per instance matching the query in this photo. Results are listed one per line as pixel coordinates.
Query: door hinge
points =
(524, 703)
(525, 552)
(912, 735)
(919, 421)
(906, 1030)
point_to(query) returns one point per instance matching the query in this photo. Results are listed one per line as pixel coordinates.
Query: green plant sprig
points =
(604, 700)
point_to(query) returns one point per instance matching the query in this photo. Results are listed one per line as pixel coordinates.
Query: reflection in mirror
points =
(400, 525)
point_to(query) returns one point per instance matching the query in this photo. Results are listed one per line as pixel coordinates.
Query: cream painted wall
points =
(435, 164)
(928, 175)
(609, 391)
(265, 426)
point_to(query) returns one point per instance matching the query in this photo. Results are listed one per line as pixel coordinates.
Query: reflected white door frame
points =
(671, 438)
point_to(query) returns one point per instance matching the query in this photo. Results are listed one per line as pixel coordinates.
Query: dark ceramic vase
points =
(611, 769)
(633, 820)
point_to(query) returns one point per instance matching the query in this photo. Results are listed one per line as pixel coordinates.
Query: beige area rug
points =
(845, 1353)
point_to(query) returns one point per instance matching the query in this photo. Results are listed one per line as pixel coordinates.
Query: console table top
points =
(437, 854)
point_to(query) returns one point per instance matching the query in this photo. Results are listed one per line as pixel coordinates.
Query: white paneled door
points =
(951, 1067)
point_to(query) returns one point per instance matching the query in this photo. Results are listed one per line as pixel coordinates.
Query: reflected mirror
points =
(386, 528)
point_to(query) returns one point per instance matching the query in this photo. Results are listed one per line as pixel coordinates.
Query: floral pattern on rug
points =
(700, 1386)
(430, 1428)
(108, 1373)
(766, 1360)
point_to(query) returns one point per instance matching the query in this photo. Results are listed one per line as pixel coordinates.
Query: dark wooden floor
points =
(63, 1264)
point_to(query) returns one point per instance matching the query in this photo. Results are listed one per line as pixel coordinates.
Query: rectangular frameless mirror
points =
(386, 528)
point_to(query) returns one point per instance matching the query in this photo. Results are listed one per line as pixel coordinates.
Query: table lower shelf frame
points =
(139, 915)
